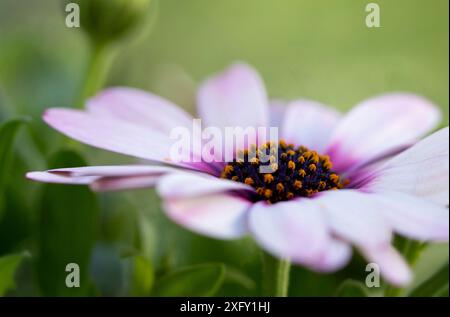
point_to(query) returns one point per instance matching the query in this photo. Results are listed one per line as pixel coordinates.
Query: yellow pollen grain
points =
(249, 181)
(274, 167)
(302, 148)
(283, 156)
(268, 178)
(302, 172)
(307, 155)
(290, 152)
(280, 187)
(301, 160)
(298, 184)
(327, 165)
(289, 195)
(260, 190)
(322, 185)
(267, 193)
(228, 169)
(334, 178)
(291, 165)
(312, 167)
(283, 144)
(235, 178)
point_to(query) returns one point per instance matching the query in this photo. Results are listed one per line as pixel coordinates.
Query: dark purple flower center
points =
(289, 171)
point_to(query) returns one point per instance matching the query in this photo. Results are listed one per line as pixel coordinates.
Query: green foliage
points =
(8, 267)
(67, 231)
(198, 280)
(352, 288)
(143, 276)
(436, 285)
(8, 132)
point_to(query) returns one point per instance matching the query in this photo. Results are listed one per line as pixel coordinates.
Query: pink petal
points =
(47, 177)
(309, 123)
(189, 184)
(293, 229)
(355, 216)
(110, 134)
(105, 178)
(139, 107)
(113, 170)
(380, 125)
(277, 110)
(219, 216)
(359, 218)
(234, 98)
(422, 170)
(392, 266)
(113, 183)
(416, 218)
(336, 256)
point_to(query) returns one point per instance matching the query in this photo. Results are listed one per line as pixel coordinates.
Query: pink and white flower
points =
(395, 183)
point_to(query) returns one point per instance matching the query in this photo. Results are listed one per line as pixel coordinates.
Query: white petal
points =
(414, 217)
(139, 107)
(380, 125)
(293, 229)
(422, 170)
(219, 216)
(113, 170)
(309, 123)
(125, 182)
(189, 184)
(355, 216)
(277, 110)
(105, 178)
(234, 98)
(47, 177)
(110, 134)
(392, 266)
(359, 218)
(337, 255)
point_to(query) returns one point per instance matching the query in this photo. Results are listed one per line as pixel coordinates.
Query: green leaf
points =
(198, 280)
(235, 276)
(436, 285)
(67, 231)
(352, 288)
(8, 131)
(8, 266)
(143, 276)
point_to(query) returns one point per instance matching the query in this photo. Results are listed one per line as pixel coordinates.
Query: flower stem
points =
(275, 276)
(100, 62)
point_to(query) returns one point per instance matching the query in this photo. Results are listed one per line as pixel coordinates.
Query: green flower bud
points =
(109, 20)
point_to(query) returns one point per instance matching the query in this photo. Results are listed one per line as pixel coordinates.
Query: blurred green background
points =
(125, 246)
